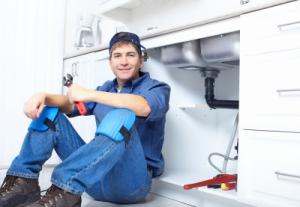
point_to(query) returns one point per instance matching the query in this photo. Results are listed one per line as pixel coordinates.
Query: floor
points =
(151, 200)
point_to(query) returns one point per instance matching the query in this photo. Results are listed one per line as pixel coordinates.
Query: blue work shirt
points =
(150, 128)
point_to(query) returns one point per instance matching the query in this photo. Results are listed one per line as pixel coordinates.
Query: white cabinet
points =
(148, 18)
(151, 18)
(270, 175)
(90, 71)
(269, 106)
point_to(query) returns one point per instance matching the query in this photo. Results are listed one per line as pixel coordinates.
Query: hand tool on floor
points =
(219, 179)
(68, 81)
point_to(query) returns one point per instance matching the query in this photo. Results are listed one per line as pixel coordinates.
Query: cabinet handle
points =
(289, 26)
(286, 174)
(242, 2)
(74, 69)
(294, 91)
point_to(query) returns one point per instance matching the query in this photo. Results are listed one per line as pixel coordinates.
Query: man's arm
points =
(61, 101)
(35, 104)
(137, 104)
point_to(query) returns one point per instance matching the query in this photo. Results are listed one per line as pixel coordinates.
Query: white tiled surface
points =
(151, 201)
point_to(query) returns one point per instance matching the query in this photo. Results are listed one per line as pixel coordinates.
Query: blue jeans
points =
(106, 169)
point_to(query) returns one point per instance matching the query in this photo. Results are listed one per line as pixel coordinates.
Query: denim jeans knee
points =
(37, 147)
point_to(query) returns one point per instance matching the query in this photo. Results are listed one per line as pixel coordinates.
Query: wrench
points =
(68, 81)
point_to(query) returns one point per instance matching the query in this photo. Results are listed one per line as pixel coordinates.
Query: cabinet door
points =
(269, 174)
(270, 91)
(271, 30)
(90, 71)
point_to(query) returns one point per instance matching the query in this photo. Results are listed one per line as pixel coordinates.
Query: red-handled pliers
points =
(222, 178)
(67, 81)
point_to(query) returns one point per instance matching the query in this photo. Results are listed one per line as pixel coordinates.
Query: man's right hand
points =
(34, 105)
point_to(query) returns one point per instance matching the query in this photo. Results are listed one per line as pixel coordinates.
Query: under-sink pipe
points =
(210, 98)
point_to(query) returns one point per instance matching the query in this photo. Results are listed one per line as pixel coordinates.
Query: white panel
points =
(32, 51)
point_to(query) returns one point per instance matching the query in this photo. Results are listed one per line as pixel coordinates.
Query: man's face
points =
(125, 63)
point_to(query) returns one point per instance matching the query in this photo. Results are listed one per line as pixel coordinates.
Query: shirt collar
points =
(129, 85)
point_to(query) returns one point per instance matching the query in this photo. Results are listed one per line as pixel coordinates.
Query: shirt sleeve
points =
(157, 96)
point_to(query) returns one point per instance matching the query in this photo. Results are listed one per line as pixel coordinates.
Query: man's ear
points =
(142, 62)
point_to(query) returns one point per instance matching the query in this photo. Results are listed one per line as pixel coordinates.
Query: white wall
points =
(31, 59)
